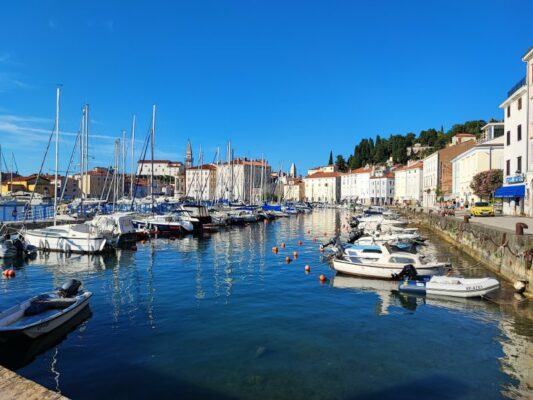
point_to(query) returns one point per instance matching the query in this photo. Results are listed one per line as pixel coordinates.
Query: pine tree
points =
(330, 162)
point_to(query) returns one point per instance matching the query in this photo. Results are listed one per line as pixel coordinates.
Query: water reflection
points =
(223, 313)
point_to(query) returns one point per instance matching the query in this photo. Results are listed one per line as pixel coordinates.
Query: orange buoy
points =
(299, 242)
(283, 245)
(133, 248)
(11, 273)
(307, 268)
(4, 272)
(274, 249)
(287, 259)
(295, 254)
(322, 278)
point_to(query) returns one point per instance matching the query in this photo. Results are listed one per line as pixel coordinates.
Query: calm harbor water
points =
(221, 316)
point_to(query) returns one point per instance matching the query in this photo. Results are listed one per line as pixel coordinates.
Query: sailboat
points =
(78, 238)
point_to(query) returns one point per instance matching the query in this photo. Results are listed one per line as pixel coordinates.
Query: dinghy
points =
(451, 286)
(43, 313)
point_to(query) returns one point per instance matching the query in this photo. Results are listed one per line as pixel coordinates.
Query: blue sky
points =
(290, 80)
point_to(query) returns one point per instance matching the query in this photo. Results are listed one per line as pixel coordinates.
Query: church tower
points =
(188, 155)
(292, 171)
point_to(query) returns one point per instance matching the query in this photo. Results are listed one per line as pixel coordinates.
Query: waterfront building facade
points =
(382, 188)
(513, 192)
(430, 180)
(200, 182)
(528, 59)
(294, 190)
(486, 155)
(363, 184)
(243, 180)
(27, 184)
(408, 183)
(322, 187)
(349, 187)
(162, 168)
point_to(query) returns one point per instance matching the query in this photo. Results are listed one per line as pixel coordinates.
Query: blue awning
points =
(511, 191)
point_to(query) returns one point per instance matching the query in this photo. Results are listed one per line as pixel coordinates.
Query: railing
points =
(520, 83)
(16, 213)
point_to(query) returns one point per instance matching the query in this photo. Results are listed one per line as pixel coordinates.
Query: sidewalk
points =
(500, 221)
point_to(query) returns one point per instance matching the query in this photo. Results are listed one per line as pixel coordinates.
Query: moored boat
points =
(451, 286)
(43, 313)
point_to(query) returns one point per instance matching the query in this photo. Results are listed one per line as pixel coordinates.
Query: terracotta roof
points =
(361, 170)
(387, 175)
(205, 166)
(159, 162)
(416, 165)
(29, 178)
(464, 135)
(323, 175)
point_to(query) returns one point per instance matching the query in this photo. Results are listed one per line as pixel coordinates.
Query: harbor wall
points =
(503, 252)
(14, 387)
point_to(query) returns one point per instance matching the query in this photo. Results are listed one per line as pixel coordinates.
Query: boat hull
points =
(48, 325)
(377, 271)
(64, 243)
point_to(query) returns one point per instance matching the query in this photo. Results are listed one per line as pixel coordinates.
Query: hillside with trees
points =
(380, 149)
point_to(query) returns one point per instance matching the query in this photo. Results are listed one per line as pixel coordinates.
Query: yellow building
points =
(28, 184)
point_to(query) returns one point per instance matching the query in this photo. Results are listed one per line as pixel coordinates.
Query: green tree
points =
(341, 163)
(330, 162)
(485, 183)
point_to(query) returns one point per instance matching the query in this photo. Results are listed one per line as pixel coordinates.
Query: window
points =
(508, 111)
(508, 138)
(508, 167)
(519, 103)
(519, 164)
(519, 133)
(401, 260)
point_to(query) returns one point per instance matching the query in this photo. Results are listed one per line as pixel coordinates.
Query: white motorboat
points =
(80, 238)
(451, 286)
(167, 224)
(43, 313)
(117, 228)
(7, 249)
(388, 265)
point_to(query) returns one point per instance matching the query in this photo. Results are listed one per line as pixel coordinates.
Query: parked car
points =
(482, 209)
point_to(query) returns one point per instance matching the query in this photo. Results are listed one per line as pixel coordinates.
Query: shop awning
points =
(511, 191)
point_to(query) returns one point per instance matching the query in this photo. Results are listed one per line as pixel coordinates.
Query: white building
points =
(528, 59)
(430, 180)
(243, 180)
(484, 156)
(382, 188)
(363, 184)
(200, 182)
(322, 187)
(515, 150)
(161, 168)
(349, 187)
(408, 184)
(294, 190)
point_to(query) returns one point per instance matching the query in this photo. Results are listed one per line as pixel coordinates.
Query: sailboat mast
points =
(132, 155)
(152, 158)
(123, 162)
(86, 163)
(82, 152)
(57, 156)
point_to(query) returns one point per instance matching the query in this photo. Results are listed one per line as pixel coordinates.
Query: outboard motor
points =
(69, 288)
(407, 273)
(355, 235)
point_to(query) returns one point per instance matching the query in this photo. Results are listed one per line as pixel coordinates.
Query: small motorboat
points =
(43, 313)
(450, 286)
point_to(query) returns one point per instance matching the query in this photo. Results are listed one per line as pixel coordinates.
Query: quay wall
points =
(503, 252)
(14, 387)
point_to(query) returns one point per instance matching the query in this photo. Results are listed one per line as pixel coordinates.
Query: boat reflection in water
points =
(386, 290)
